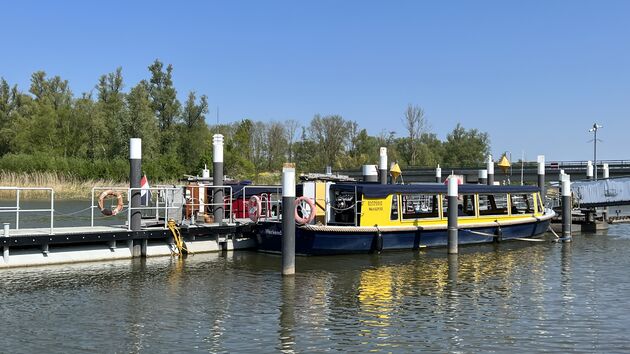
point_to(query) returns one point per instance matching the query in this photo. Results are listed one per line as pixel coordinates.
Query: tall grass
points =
(66, 186)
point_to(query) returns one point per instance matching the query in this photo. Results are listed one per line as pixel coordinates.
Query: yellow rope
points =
(180, 245)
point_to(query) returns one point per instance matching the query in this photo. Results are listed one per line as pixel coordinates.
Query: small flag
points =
(145, 193)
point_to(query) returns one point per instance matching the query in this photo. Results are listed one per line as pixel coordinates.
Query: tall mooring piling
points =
(438, 174)
(566, 207)
(452, 216)
(589, 170)
(288, 219)
(605, 171)
(490, 169)
(541, 175)
(135, 175)
(218, 210)
(382, 165)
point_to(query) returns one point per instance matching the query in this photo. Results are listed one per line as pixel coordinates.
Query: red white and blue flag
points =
(145, 193)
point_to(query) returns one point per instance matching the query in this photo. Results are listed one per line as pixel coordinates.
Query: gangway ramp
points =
(602, 193)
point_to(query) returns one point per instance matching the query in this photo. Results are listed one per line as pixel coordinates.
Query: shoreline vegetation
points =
(66, 187)
(71, 187)
(76, 139)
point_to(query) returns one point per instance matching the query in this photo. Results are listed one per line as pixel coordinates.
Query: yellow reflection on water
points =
(375, 295)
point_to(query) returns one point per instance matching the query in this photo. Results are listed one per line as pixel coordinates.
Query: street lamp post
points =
(594, 130)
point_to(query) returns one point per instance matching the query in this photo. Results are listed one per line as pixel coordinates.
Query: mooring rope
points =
(73, 213)
(479, 233)
(180, 245)
(553, 232)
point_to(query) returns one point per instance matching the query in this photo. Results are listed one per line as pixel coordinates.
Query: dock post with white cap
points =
(288, 219)
(482, 177)
(490, 170)
(541, 176)
(382, 165)
(438, 174)
(452, 215)
(589, 170)
(566, 207)
(218, 209)
(135, 174)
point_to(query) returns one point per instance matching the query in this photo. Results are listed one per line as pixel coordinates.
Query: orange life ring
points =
(101, 202)
(300, 203)
(254, 207)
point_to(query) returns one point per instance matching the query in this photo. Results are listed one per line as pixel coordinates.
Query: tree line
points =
(48, 128)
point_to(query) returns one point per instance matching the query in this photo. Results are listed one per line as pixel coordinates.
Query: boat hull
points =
(331, 241)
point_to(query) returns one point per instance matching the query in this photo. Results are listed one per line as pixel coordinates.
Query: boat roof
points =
(373, 190)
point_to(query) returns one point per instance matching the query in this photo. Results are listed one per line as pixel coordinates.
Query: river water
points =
(514, 296)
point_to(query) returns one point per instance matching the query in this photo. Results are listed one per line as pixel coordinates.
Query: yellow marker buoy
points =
(395, 172)
(504, 163)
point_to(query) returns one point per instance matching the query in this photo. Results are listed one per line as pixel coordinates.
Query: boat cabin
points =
(419, 204)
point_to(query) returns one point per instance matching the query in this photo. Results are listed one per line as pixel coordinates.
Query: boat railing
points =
(157, 207)
(17, 209)
(201, 206)
(269, 200)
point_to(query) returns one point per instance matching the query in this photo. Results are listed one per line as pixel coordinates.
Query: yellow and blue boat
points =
(365, 217)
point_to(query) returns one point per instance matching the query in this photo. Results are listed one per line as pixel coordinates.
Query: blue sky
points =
(535, 75)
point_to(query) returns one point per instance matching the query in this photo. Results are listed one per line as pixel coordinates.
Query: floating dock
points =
(31, 247)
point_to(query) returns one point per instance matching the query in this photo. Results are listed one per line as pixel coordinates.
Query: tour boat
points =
(342, 218)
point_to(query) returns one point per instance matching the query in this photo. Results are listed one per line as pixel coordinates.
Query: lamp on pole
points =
(594, 130)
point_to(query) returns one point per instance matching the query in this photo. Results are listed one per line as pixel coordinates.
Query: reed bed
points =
(66, 186)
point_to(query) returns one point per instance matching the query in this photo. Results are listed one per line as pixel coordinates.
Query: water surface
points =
(525, 297)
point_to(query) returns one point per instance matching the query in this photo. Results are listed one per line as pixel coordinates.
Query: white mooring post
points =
(135, 174)
(452, 215)
(490, 169)
(566, 208)
(589, 170)
(369, 173)
(438, 174)
(218, 210)
(541, 176)
(5, 249)
(482, 177)
(605, 171)
(382, 165)
(288, 219)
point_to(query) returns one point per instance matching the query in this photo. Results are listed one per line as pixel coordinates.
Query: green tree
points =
(277, 146)
(194, 133)
(140, 122)
(164, 103)
(107, 137)
(8, 110)
(416, 124)
(465, 148)
(330, 133)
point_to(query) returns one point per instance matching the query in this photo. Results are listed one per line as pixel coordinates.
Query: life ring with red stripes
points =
(108, 211)
(254, 206)
(304, 216)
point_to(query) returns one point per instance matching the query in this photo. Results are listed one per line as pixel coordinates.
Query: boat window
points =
(418, 206)
(394, 213)
(522, 203)
(493, 204)
(465, 205)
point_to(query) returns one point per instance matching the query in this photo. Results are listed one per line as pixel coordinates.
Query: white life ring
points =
(307, 215)
(254, 207)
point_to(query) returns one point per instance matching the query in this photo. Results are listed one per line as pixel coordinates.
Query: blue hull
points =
(309, 242)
